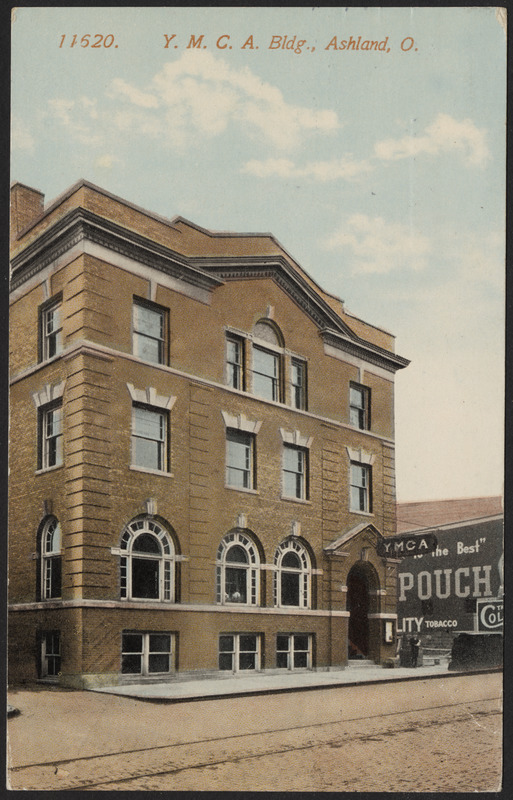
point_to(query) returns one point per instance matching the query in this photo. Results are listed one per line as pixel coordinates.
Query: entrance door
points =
(358, 607)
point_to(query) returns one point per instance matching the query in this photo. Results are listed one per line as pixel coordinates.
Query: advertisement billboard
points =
(451, 589)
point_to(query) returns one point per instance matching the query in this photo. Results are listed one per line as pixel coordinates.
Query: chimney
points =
(26, 206)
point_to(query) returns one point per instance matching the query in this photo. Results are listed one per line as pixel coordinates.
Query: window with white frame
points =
(295, 472)
(237, 570)
(50, 436)
(50, 654)
(298, 384)
(149, 438)
(294, 651)
(147, 562)
(360, 487)
(239, 652)
(240, 459)
(292, 576)
(148, 653)
(51, 560)
(359, 406)
(266, 374)
(149, 332)
(235, 362)
(50, 322)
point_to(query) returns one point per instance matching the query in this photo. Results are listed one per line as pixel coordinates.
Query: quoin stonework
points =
(201, 453)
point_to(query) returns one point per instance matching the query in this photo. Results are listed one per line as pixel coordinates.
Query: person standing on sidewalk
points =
(414, 647)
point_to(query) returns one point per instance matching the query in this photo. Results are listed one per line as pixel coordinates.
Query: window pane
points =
(148, 349)
(148, 423)
(300, 642)
(237, 554)
(265, 363)
(291, 560)
(55, 577)
(282, 660)
(147, 454)
(158, 663)
(282, 642)
(236, 585)
(300, 660)
(226, 661)
(356, 397)
(226, 643)
(145, 578)
(131, 664)
(248, 642)
(132, 643)
(146, 543)
(247, 661)
(148, 321)
(160, 643)
(289, 589)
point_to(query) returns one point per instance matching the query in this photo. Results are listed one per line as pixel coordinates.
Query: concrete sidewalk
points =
(215, 687)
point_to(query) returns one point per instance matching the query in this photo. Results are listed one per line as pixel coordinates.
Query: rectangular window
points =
(50, 437)
(146, 653)
(360, 487)
(50, 654)
(50, 322)
(239, 652)
(235, 362)
(240, 460)
(266, 374)
(149, 332)
(359, 406)
(149, 438)
(295, 461)
(294, 651)
(299, 384)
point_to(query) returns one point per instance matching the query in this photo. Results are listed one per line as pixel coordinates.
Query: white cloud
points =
(444, 135)
(135, 96)
(78, 118)
(379, 247)
(335, 169)
(200, 93)
(21, 138)
(107, 161)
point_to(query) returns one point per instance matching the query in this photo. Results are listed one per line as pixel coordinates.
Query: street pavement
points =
(425, 731)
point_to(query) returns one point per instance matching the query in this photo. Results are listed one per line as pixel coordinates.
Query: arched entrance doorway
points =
(362, 599)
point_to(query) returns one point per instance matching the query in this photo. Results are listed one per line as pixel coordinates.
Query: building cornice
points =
(80, 224)
(364, 350)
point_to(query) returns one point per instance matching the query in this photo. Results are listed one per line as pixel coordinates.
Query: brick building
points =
(202, 453)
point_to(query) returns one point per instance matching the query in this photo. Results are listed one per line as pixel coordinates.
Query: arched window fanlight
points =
(51, 559)
(292, 577)
(147, 562)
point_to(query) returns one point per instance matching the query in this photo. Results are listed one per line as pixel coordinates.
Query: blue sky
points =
(381, 172)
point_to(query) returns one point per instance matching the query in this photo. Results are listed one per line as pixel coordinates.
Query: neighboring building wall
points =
(97, 491)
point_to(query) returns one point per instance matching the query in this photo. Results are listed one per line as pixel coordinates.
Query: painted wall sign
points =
(400, 546)
(441, 591)
(490, 616)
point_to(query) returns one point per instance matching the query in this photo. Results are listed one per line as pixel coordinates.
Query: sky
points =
(379, 168)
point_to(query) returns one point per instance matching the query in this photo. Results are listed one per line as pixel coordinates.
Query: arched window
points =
(147, 562)
(51, 559)
(292, 578)
(238, 570)
(267, 361)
